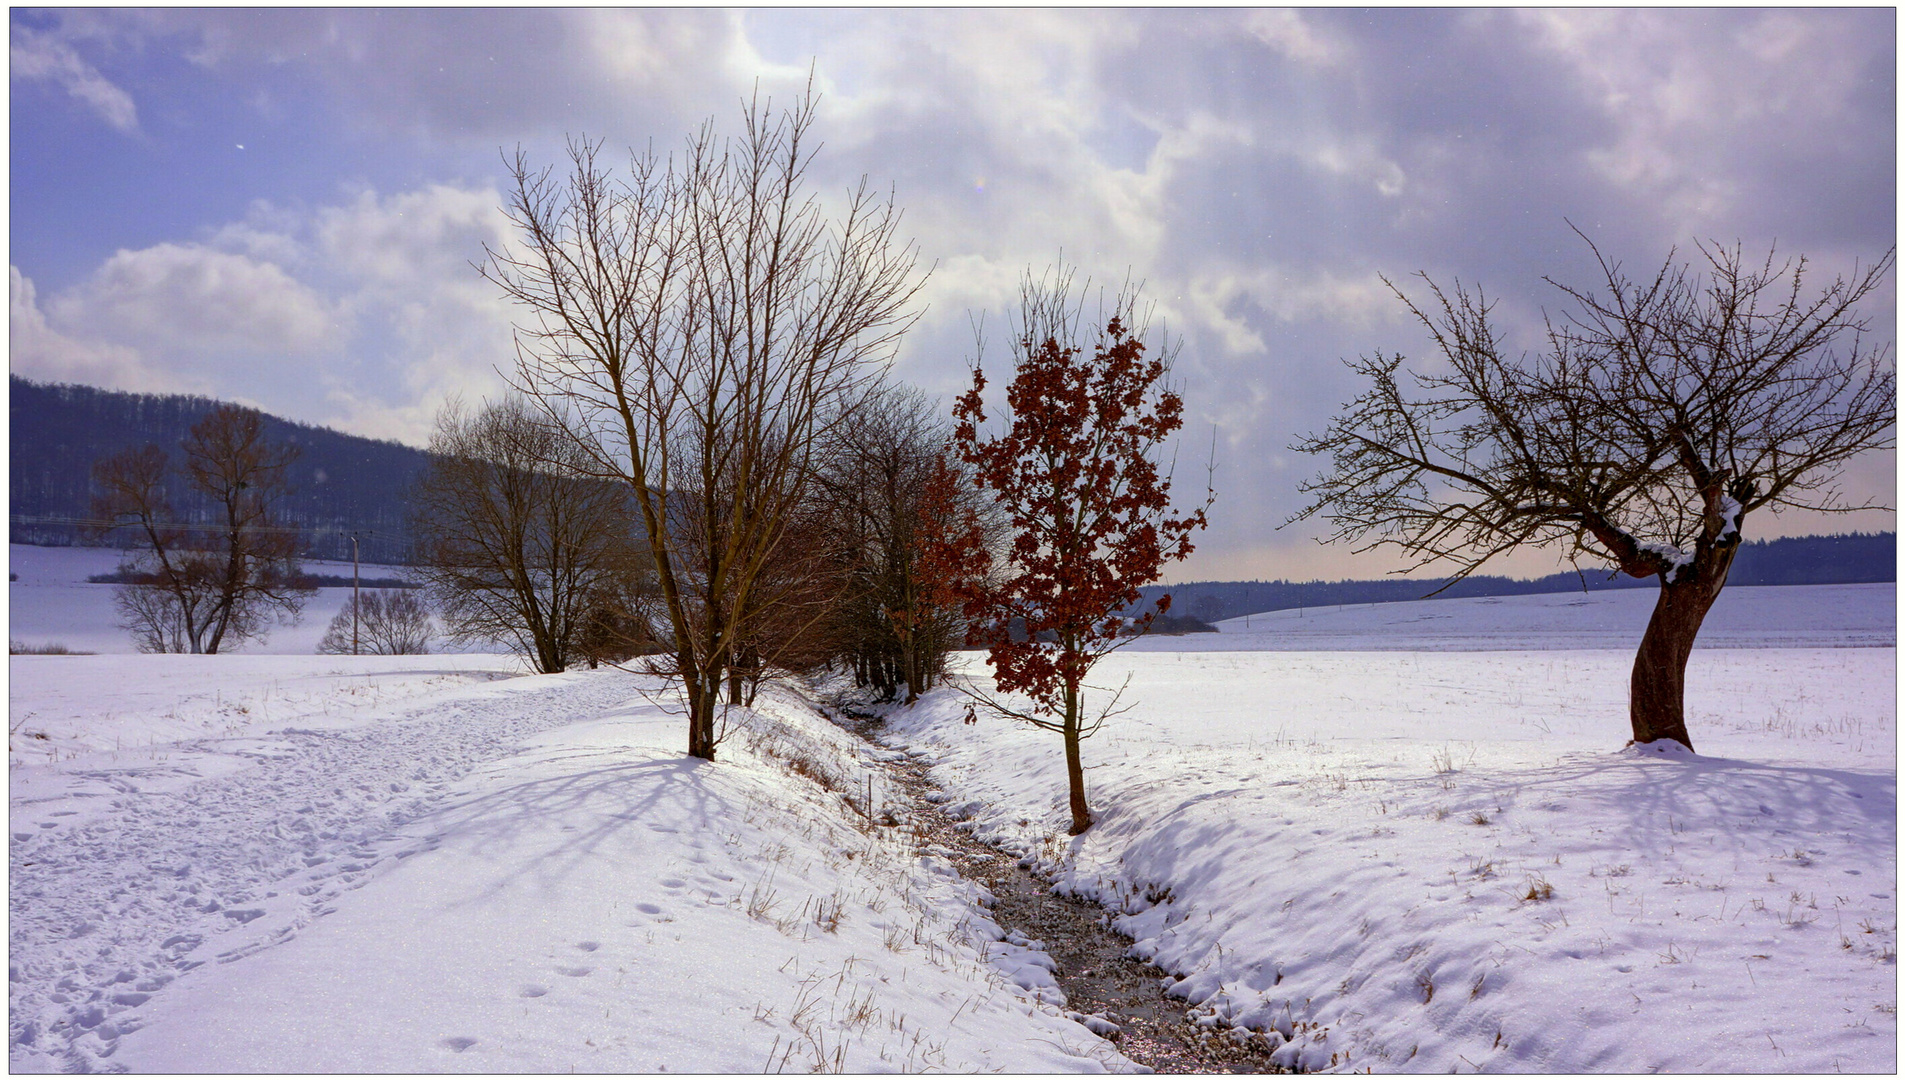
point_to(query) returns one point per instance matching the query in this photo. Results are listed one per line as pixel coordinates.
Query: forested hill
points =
(1802, 560)
(340, 483)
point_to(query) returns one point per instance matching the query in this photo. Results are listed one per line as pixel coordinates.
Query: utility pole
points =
(353, 594)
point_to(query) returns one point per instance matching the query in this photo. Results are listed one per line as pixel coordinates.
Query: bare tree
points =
(621, 615)
(515, 538)
(785, 622)
(1662, 412)
(700, 327)
(379, 622)
(158, 617)
(890, 626)
(201, 586)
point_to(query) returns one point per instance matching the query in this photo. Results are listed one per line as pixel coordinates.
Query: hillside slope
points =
(340, 483)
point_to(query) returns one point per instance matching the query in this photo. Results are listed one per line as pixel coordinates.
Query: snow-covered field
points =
(1411, 860)
(52, 603)
(1743, 617)
(1432, 861)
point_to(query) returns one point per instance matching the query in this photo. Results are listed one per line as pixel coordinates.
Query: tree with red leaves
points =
(1090, 520)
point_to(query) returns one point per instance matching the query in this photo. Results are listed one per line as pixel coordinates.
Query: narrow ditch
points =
(1095, 973)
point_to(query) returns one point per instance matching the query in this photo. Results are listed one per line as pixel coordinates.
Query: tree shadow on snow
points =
(546, 828)
(1676, 799)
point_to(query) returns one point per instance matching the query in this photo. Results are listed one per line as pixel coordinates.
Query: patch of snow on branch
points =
(1730, 511)
(1676, 559)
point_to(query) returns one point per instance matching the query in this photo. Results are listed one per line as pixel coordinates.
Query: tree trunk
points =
(910, 675)
(1074, 764)
(1656, 701)
(704, 692)
(744, 677)
(549, 658)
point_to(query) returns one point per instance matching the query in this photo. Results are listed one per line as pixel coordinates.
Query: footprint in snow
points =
(574, 972)
(459, 1043)
(533, 990)
(672, 883)
(588, 946)
(648, 909)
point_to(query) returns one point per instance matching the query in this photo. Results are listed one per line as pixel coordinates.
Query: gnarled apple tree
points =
(1661, 413)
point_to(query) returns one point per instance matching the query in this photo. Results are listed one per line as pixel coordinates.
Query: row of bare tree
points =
(706, 336)
(521, 540)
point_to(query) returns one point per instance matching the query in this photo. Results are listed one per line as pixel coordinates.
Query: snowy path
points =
(523, 876)
(175, 872)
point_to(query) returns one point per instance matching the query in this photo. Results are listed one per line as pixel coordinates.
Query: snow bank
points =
(1427, 862)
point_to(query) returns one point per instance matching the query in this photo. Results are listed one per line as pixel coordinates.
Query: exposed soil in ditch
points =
(1093, 970)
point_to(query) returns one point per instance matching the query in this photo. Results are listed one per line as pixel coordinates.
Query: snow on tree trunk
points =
(704, 693)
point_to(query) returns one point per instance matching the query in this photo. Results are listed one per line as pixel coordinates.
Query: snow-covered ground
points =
(1431, 861)
(1409, 859)
(525, 875)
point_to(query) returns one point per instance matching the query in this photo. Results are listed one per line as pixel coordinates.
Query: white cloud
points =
(1286, 31)
(408, 261)
(191, 297)
(1692, 104)
(37, 351)
(434, 232)
(365, 316)
(37, 56)
(267, 234)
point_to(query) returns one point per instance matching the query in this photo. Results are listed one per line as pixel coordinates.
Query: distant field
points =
(1747, 617)
(52, 602)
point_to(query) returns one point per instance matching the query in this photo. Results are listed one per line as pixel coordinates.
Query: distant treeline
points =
(345, 483)
(1799, 560)
(340, 483)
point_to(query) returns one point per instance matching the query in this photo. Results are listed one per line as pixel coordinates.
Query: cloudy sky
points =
(281, 207)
